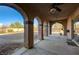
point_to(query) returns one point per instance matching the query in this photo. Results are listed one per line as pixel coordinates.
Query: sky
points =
(35, 22)
(9, 15)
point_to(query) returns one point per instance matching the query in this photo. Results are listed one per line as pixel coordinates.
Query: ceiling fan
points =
(55, 8)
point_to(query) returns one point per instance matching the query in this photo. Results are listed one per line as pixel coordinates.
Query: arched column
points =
(46, 29)
(65, 27)
(65, 30)
(49, 28)
(70, 28)
(28, 33)
(41, 31)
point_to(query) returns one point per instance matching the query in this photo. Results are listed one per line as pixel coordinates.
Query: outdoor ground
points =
(9, 43)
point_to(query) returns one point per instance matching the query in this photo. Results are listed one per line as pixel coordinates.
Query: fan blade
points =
(58, 9)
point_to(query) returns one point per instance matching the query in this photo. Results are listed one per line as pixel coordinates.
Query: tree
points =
(16, 25)
(12, 25)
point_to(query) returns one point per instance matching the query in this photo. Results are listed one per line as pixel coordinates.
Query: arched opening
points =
(76, 30)
(36, 29)
(11, 29)
(58, 29)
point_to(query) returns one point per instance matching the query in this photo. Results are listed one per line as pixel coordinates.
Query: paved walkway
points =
(53, 45)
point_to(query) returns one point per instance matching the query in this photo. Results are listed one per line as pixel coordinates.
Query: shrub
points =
(2, 32)
(10, 30)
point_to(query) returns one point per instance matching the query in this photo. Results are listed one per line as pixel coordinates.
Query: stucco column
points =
(46, 29)
(40, 31)
(65, 30)
(28, 34)
(50, 29)
(70, 29)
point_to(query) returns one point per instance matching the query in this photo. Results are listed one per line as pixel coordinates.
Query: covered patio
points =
(51, 45)
(47, 15)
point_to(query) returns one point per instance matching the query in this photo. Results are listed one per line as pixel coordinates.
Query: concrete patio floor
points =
(52, 45)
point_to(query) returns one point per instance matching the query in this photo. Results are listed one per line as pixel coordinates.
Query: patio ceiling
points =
(42, 10)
